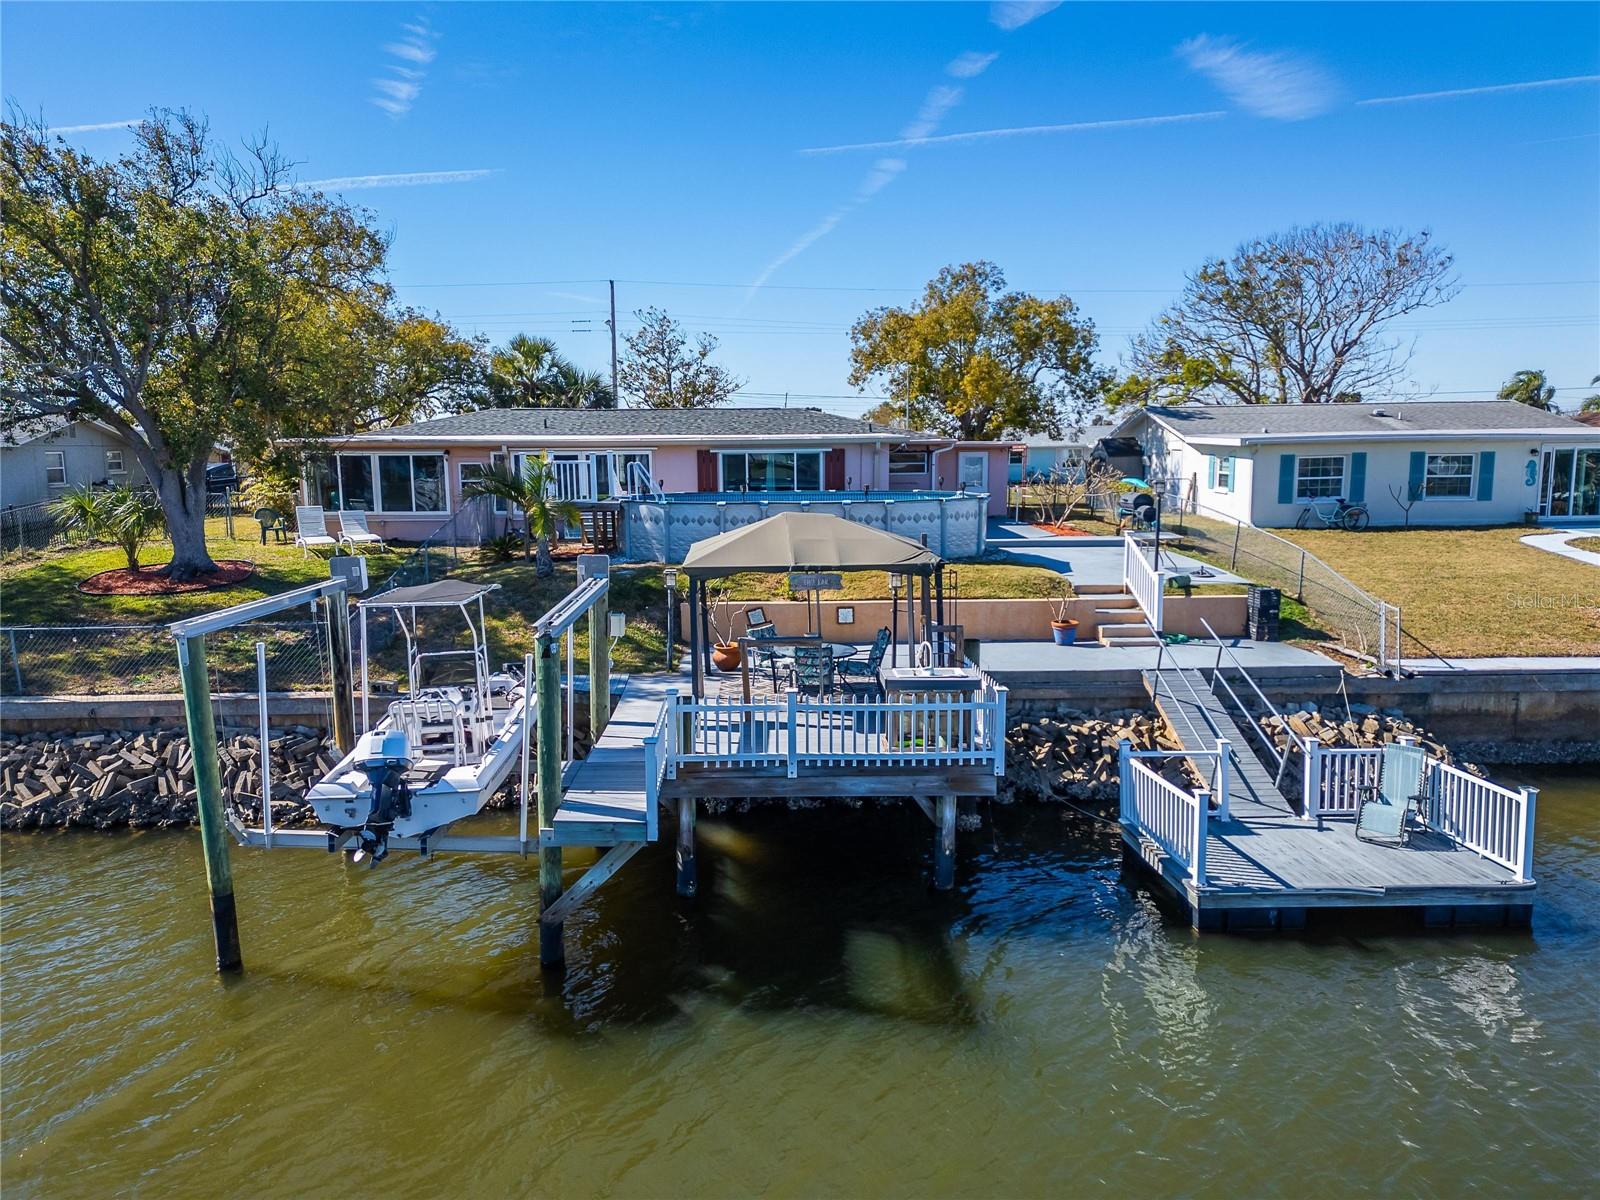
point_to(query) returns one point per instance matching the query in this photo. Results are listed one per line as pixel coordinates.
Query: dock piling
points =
(944, 853)
(688, 871)
(336, 613)
(551, 951)
(208, 799)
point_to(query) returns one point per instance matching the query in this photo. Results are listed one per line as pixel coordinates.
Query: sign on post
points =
(816, 581)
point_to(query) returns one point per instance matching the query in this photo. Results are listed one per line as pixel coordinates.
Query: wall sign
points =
(815, 581)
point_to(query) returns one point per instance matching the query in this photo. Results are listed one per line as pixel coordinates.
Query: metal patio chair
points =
(813, 669)
(1385, 815)
(860, 676)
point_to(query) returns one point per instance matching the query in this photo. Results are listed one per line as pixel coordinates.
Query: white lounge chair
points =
(311, 529)
(353, 531)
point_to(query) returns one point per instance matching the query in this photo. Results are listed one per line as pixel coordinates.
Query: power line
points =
(818, 287)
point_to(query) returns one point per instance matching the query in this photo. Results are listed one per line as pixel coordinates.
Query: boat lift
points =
(543, 781)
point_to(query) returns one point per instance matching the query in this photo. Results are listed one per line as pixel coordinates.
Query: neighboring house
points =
(410, 477)
(1040, 455)
(1465, 462)
(43, 457)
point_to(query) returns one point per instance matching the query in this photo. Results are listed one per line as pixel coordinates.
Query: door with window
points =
(1571, 485)
(972, 471)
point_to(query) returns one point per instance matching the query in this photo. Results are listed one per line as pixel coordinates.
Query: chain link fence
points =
(1357, 620)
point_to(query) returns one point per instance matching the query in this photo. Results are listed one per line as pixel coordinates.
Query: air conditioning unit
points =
(350, 567)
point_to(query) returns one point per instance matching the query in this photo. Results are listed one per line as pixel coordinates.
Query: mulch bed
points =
(147, 582)
(1063, 530)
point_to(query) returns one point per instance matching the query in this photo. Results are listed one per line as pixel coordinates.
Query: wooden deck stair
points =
(603, 801)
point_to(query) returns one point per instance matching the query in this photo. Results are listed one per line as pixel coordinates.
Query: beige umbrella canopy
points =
(795, 541)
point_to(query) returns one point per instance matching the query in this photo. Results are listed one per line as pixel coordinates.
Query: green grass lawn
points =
(975, 580)
(42, 588)
(1470, 592)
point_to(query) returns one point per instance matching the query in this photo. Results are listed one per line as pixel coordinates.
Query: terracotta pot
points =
(725, 656)
(1064, 632)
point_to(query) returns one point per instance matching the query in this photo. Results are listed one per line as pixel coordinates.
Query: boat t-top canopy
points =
(443, 593)
(797, 541)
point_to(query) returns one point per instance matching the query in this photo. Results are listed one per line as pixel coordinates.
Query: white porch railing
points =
(1144, 582)
(573, 477)
(1164, 812)
(1492, 821)
(792, 731)
(1482, 816)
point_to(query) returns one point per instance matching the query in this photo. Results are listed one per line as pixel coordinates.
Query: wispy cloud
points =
(1531, 85)
(397, 91)
(1272, 84)
(977, 135)
(347, 183)
(1014, 14)
(969, 65)
(98, 125)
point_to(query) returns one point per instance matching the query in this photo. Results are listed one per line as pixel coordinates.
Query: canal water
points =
(817, 1023)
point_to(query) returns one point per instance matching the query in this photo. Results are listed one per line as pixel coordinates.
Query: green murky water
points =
(816, 1024)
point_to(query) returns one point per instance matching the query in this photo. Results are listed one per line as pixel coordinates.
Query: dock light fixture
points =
(670, 575)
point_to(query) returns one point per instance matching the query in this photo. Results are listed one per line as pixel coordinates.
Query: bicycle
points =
(1334, 513)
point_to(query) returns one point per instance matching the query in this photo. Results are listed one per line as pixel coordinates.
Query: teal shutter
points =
(1358, 477)
(1285, 479)
(1211, 470)
(1486, 475)
(1233, 473)
(1419, 469)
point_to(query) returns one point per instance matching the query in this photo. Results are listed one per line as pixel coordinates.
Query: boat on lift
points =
(441, 751)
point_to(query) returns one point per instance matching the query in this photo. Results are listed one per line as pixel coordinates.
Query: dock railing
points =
(1175, 819)
(1144, 582)
(794, 731)
(1476, 814)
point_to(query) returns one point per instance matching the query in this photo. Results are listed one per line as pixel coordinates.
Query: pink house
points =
(409, 479)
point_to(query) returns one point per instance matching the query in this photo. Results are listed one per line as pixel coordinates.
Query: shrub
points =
(124, 515)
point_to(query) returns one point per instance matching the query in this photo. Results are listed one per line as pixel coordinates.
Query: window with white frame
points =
(1224, 473)
(114, 462)
(1449, 476)
(55, 467)
(908, 462)
(772, 471)
(410, 483)
(1319, 477)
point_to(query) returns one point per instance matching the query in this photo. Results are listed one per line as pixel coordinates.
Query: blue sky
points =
(529, 152)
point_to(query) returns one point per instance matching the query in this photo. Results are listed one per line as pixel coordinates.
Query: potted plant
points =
(1063, 628)
(725, 655)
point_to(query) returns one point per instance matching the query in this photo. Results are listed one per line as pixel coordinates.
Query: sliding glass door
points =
(1572, 481)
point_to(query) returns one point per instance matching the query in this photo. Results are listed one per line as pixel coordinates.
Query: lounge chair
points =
(311, 529)
(354, 533)
(1385, 816)
(861, 675)
(813, 669)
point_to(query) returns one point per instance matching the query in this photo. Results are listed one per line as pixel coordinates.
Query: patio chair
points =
(1385, 816)
(354, 533)
(861, 676)
(271, 521)
(813, 669)
(764, 633)
(311, 529)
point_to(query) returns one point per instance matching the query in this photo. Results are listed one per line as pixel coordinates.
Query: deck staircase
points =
(1118, 617)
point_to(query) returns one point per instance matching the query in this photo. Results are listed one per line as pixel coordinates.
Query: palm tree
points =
(1530, 388)
(519, 375)
(570, 386)
(1591, 403)
(534, 492)
(124, 515)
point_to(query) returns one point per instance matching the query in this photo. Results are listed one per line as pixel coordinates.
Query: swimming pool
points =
(951, 523)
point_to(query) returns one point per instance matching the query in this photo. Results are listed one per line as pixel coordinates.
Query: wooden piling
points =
(551, 951)
(688, 871)
(336, 616)
(944, 850)
(208, 799)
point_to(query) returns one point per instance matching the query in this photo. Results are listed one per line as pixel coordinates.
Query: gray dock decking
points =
(1265, 865)
(603, 800)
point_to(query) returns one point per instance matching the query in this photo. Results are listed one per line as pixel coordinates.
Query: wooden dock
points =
(605, 797)
(1265, 865)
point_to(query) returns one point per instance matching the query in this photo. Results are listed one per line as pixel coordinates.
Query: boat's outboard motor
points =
(384, 757)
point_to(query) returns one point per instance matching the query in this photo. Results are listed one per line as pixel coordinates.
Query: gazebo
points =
(810, 542)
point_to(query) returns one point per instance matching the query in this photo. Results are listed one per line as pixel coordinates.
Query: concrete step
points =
(1099, 589)
(1121, 616)
(1148, 639)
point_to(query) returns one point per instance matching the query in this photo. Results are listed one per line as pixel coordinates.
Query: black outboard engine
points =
(384, 757)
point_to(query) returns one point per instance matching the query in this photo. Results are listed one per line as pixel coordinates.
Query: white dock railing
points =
(792, 731)
(1484, 817)
(1492, 821)
(1175, 819)
(1144, 582)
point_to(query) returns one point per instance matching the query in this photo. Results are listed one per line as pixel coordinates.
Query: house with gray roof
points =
(1452, 462)
(703, 467)
(41, 457)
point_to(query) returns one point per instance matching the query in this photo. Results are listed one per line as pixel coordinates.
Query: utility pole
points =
(613, 324)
